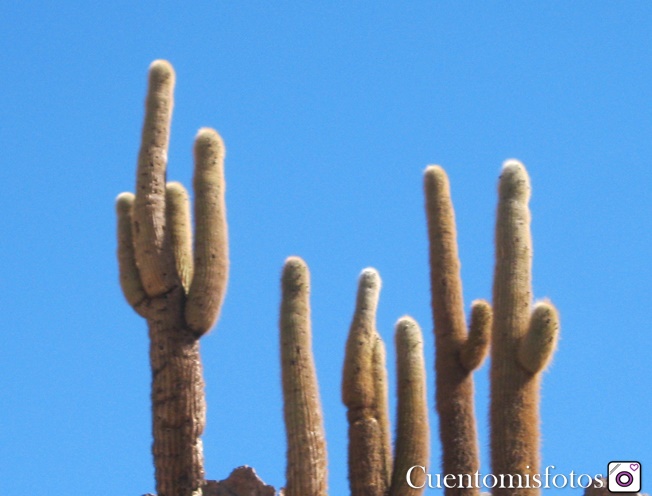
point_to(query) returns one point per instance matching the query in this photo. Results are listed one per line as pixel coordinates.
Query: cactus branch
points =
(538, 345)
(211, 241)
(177, 211)
(154, 260)
(381, 408)
(474, 349)
(130, 282)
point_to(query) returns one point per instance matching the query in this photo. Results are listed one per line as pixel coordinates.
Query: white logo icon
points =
(624, 477)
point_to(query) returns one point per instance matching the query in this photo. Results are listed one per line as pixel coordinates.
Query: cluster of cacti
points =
(178, 286)
(364, 392)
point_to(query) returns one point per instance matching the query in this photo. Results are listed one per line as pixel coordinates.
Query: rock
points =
(243, 481)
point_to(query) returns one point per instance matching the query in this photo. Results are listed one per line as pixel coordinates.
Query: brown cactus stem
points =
(454, 381)
(306, 470)
(368, 471)
(514, 388)
(178, 403)
(412, 428)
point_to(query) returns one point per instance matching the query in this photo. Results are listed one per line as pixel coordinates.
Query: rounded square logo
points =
(624, 477)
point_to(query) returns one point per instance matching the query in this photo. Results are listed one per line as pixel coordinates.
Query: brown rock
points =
(243, 481)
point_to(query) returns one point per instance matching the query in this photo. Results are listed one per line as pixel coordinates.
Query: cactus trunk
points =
(178, 404)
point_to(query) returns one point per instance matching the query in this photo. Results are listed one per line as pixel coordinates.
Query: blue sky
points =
(330, 112)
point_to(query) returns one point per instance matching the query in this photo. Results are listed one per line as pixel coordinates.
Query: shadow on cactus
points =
(177, 284)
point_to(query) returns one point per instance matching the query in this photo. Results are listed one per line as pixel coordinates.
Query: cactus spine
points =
(458, 352)
(178, 292)
(306, 472)
(522, 340)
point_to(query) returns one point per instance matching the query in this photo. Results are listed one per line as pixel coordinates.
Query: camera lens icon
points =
(624, 477)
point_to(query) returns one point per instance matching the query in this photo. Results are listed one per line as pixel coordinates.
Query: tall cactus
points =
(458, 352)
(176, 286)
(412, 429)
(523, 339)
(306, 473)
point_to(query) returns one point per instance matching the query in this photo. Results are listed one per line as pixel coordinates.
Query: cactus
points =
(523, 339)
(176, 286)
(363, 392)
(372, 471)
(458, 353)
(412, 429)
(306, 472)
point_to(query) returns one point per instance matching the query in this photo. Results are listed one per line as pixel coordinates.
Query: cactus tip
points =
(514, 180)
(405, 323)
(124, 201)
(161, 68)
(545, 309)
(209, 135)
(408, 330)
(370, 279)
(435, 176)
(124, 197)
(295, 273)
(433, 170)
(175, 187)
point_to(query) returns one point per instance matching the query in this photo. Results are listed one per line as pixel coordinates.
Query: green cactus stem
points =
(179, 294)
(523, 340)
(306, 470)
(458, 352)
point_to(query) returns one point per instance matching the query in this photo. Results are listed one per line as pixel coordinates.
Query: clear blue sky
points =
(330, 112)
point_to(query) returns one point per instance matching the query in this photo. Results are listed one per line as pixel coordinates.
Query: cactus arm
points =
(357, 382)
(538, 345)
(367, 470)
(412, 430)
(153, 257)
(474, 349)
(129, 276)
(306, 470)
(177, 213)
(381, 407)
(211, 241)
(454, 382)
